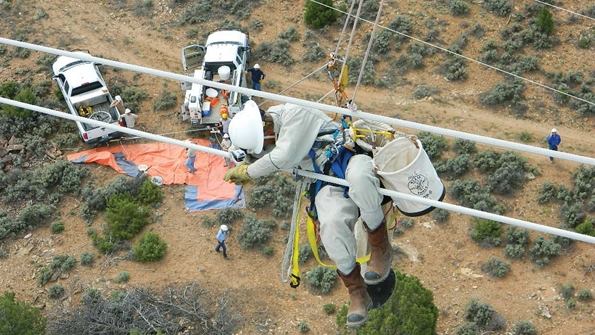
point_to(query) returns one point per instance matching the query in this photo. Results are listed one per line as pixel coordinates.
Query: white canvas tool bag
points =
(404, 166)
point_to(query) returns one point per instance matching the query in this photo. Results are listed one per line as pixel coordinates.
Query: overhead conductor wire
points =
(309, 104)
(463, 56)
(564, 9)
(308, 174)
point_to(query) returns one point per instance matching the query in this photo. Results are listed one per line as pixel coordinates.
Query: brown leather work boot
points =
(360, 300)
(379, 265)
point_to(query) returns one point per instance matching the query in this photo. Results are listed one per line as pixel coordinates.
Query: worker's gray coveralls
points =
(296, 129)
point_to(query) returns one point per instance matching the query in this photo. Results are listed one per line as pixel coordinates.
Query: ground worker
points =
(257, 75)
(553, 141)
(225, 120)
(309, 139)
(225, 145)
(221, 237)
(130, 118)
(118, 103)
(190, 158)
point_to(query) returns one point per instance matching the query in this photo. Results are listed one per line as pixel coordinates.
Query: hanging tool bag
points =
(404, 166)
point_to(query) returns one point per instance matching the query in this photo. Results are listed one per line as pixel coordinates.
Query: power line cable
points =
(309, 174)
(309, 104)
(566, 10)
(367, 54)
(344, 27)
(465, 57)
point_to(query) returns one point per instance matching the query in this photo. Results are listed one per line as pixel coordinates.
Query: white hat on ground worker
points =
(127, 110)
(226, 135)
(256, 66)
(224, 227)
(245, 129)
(118, 97)
(554, 130)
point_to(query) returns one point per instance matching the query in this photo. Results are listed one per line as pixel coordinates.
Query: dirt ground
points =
(442, 256)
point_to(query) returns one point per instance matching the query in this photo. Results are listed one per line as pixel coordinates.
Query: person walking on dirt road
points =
(221, 237)
(553, 141)
(257, 75)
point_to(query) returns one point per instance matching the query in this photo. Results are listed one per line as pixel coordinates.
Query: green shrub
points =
(468, 328)
(290, 35)
(268, 251)
(318, 16)
(458, 7)
(303, 327)
(514, 251)
(454, 68)
(25, 95)
(87, 258)
(321, 279)
(57, 227)
(56, 292)
(524, 328)
(305, 253)
(464, 147)
(496, 267)
(409, 310)
(440, 215)
(484, 316)
(329, 309)
(228, 216)
(275, 191)
(542, 251)
(571, 303)
(165, 101)
(434, 145)
(585, 40)
(567, 291)
(34, 215)
(122, 277)
(149, 194)
(143, 7)
(516, 235)
(547, 192)
(150, 248)
(255, 232)
(455, 167)
(19, 317)
(586, 228)
(471, 194)
(423, 91)
(487, 233)
(125, 217)
(507, 92)
(208, 221)
(545, 21)
(132, 95)
(584, 295)
(498, 7)
(572, 214)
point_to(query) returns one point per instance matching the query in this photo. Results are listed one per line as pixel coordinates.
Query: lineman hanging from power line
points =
(311, 140)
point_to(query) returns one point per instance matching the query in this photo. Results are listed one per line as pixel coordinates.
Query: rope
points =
(357, 16)
(326, 95)
(300, 102)
(564, 9)
(308, 174)
(466, 57)
(363, 67)
(344, 27)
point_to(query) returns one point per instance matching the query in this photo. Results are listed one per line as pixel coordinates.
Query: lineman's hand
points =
(238, 175)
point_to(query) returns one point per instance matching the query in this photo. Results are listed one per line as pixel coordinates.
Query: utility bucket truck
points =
(86, 95)
(222, 59)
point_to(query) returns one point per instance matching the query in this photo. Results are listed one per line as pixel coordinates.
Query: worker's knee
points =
(360, 172)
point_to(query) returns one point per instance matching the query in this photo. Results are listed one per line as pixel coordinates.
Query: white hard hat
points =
(224, 72)
(256, 66)
(245, 129)
(224, 227)
(118, 97)
(226, 135)
(127, 110)
(554, 130)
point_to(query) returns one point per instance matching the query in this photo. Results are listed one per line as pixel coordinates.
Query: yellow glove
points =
(237, 175)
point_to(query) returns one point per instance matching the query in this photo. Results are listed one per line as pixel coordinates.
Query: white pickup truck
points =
(86, 95)
(223, 59)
